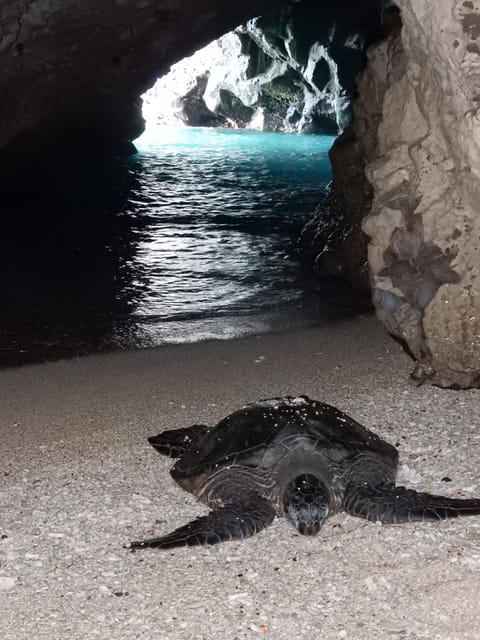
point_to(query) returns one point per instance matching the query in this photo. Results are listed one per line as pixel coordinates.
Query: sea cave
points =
(404, 166)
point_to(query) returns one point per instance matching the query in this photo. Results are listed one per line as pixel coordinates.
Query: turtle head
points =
(306, 502)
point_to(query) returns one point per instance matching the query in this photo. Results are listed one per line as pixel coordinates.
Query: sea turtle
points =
(292, 457)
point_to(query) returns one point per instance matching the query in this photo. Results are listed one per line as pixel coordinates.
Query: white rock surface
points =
(424, 224)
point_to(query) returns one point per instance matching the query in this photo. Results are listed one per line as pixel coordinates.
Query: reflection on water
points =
(187, 240)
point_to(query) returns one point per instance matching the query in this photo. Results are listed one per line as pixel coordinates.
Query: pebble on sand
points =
(6, 583)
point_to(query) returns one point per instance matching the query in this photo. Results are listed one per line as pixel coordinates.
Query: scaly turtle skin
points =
(292, 457)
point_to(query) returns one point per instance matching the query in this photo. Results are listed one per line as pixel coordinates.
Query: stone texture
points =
(277, 70)
(424, 166)
(355, 148)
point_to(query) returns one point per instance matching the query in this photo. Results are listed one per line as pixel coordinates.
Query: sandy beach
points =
(79, 480)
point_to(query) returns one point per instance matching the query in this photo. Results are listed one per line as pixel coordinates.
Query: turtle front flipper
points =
(390, 504)
(231, 522)
(175, 442)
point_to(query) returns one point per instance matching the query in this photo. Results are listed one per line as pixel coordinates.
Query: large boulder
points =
(423, 162)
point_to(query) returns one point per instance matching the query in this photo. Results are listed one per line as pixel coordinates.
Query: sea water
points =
(192, 238)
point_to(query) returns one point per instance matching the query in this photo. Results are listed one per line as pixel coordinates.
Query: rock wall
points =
(292, 69)
(341, 249)
(423, 162)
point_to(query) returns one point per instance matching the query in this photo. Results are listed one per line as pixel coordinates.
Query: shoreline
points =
(210, 329)
(79, 480)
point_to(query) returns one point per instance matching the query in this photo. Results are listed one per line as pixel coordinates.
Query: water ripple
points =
(189, 239)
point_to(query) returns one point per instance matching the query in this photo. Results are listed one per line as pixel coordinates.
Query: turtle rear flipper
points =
(232, 522)
(390, 504)
(175, 442)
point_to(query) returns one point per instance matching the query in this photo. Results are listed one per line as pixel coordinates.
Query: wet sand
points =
(79, 480)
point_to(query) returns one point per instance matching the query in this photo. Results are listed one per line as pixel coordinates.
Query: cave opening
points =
(292, 69)
(197, 235)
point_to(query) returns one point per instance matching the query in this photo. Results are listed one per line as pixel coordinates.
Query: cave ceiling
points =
(71, 73)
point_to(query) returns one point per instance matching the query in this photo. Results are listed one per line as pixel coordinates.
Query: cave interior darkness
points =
(65, 153)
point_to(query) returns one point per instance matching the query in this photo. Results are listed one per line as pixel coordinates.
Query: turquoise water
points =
(192, 238)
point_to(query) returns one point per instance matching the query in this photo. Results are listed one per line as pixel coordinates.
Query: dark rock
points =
(194, 112)
(233, 109)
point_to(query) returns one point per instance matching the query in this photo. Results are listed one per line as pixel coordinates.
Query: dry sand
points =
(78, 480)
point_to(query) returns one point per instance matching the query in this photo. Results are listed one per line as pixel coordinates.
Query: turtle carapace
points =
(291, 457)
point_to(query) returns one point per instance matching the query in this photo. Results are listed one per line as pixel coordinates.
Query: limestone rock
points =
(194, 111)
(291, 69)
(424, 223)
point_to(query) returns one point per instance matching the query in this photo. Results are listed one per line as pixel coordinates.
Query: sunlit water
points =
(191, 239)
